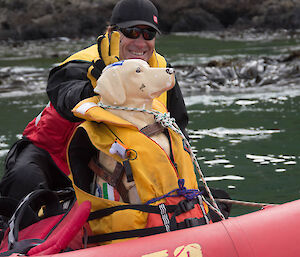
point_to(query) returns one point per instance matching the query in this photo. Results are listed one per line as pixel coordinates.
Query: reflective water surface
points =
(249, 143)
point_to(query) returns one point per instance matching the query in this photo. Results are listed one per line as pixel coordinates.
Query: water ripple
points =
(233, 133)
(22, 81)
(244, 97)
(227, 177)
(3, 152)
(271, 159)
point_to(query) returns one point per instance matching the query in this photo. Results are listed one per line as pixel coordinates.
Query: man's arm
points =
(176, 107)
(68, 85)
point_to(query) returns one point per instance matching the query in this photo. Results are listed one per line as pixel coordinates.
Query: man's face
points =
(138, 48)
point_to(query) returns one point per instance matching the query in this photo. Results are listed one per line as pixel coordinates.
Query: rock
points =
(35, 19)
(278, 14)
(196, 20)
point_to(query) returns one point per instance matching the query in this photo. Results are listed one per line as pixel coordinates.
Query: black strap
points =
(125, 234)
(22, 247)
(128, 171)
(191, 222)
(139, 207)
(187, 223)
(185, 206)
(182, 207)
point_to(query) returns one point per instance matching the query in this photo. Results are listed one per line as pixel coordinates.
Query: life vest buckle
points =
(186, 205)
(193, 222)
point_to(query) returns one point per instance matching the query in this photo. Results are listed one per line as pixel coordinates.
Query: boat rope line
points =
(245, 203)
(166, 121)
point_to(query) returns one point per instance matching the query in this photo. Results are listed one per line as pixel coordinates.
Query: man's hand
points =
(109, 51)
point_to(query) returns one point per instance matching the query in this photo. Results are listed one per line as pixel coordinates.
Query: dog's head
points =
(125, 81)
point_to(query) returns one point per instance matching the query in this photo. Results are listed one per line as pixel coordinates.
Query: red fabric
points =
(51, 132)
(65, 233)
(38, 230)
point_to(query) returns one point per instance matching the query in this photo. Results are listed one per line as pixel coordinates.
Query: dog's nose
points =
(170, 70)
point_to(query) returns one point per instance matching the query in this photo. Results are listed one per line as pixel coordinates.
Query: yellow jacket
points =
(154, 173)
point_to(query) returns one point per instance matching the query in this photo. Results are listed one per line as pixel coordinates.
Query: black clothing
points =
(28, 168)
(67, 86)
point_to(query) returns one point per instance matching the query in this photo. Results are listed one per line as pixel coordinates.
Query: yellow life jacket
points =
(91, 54)
(154, 172)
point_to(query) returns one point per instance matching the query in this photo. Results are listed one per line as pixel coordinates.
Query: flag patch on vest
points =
(106, 191)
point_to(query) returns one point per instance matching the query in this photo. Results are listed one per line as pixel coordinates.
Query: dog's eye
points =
(138, 70)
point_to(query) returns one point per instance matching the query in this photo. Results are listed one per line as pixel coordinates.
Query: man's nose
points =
(140, 40)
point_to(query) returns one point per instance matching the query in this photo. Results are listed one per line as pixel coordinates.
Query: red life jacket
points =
(51, 132)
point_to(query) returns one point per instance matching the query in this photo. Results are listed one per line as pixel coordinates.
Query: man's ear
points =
(111, 87)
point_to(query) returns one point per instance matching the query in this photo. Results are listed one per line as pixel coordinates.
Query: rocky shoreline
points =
(217, 74)
(35, 19)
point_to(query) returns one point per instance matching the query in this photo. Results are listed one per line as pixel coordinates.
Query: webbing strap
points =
(164, 216)
(125, 234)
(139, 207)
(187, 223)
(152, 129)
(182, 207)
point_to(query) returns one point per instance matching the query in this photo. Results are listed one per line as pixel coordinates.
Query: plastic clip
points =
(120, 149)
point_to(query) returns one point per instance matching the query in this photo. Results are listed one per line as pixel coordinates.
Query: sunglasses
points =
(134, 33)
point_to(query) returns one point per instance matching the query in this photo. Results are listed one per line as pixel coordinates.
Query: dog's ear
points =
(110, 87)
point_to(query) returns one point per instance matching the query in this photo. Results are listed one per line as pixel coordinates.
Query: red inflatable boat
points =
(271, 232)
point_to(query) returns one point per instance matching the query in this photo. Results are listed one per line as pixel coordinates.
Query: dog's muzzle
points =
(170, 70)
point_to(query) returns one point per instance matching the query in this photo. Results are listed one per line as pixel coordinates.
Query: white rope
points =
(166, 121)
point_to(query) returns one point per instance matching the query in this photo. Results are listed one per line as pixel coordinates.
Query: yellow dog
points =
(134, 84)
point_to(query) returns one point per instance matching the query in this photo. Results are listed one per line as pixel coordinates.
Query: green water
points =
(192, 51)
(247, 140)
(257, 145)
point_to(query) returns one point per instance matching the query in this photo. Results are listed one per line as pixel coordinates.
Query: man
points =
(39, 159)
